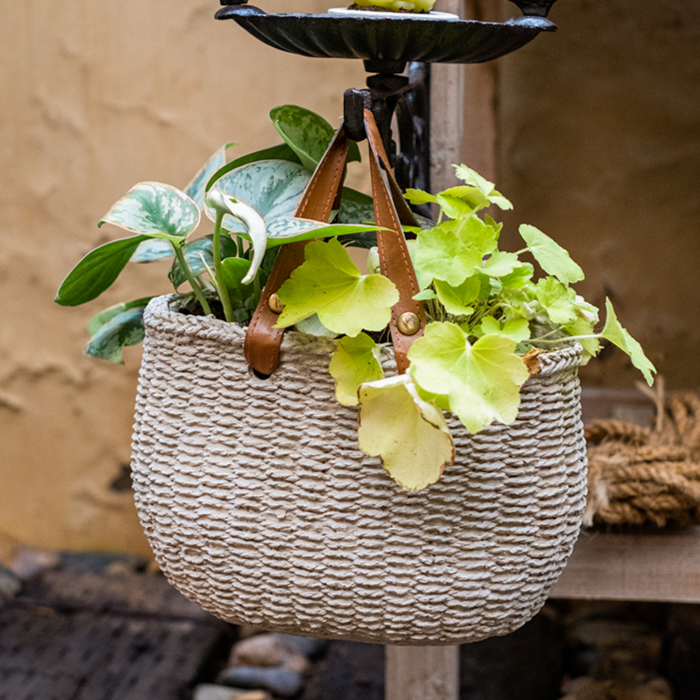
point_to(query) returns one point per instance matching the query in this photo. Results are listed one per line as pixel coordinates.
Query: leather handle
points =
(262, 340)
(394, 259)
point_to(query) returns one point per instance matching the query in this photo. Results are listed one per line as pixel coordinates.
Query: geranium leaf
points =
(97, 271)
(616, 334)
(425, 295)
(483, 236)
(499, 264)
(105, 316)
(481, 381)
(517, 329)
(330, 285)
(409, 434)
(458, 300)
(419, 197)
(557, 299)
(472, 197)
(582, 326)
(471, 177)
(550, 255)
(152, 207)
(519, 277)
(441, 254)
(196, 186)
(125, 328)
(354, 363)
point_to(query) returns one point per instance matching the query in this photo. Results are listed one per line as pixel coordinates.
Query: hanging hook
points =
(355, 102)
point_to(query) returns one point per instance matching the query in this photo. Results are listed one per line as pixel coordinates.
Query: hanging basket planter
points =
(260, 507)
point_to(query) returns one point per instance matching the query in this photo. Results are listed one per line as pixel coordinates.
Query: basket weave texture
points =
(260, 507)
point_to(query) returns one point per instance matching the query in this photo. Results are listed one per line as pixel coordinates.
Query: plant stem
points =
(566, 338)
(223, 291)
(191, 279)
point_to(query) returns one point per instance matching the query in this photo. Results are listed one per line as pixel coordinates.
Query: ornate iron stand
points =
(387, 45)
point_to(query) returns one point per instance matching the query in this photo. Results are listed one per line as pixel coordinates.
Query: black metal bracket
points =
(405, 101)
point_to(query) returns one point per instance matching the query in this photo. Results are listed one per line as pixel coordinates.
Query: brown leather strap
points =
(394, 259)
(262, 340)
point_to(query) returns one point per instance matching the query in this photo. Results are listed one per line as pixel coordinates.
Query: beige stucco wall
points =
(97, 96)
(600, 133)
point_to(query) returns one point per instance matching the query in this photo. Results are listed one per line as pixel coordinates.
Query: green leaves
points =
(409, 434)
(557, 299)
(482, 185)
(115, 328)
(330, 285)
(551, 256)
(97, 271)
(306, 133)
(152, 207)
(616, 334)
(354, 362)
(441, 254)
(481, 382)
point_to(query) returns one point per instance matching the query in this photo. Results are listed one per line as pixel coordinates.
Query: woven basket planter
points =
(260, 507)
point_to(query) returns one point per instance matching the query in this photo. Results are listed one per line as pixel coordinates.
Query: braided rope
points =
(639, 475)
(260, 507)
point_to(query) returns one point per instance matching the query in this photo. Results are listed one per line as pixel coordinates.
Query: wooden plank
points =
(463, 107)
(422, 673)
(663, 566)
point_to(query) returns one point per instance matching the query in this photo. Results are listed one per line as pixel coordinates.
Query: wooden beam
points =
(663, 566)
(422, 673)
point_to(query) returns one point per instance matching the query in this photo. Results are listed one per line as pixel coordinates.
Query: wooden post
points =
(462, 130)
(422, 673)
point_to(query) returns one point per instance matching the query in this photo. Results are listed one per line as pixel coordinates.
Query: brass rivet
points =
(275, 304)
(408, 323)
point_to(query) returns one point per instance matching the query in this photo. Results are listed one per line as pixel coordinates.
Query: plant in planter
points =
(251, 488)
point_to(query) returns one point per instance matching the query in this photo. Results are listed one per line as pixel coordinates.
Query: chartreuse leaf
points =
(330, 284)
(470, 198)
(483, 236)
(125, 328)
(105, 316)
(557, 299)
(419, 197)
(441, 254)
(97, 271)
(307, 134)
(471, 177)
(313, 326)
(152, 207)
(409, 434)
(519, 277)
(550, 255)
(458, 300)
(481, 381)
(517, 329)
(616, 334)
(354, 363)
(582, 326)
(500, 264)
